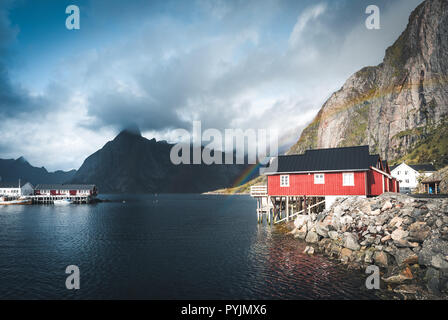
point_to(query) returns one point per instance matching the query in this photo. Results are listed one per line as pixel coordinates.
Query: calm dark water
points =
(162, 247)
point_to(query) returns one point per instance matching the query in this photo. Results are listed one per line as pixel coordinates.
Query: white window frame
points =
(319, 178)
(348, 179)
(284, 180)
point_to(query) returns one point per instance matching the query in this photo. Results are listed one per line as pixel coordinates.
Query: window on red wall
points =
(284, 181)
(319, 178)
(348, 179)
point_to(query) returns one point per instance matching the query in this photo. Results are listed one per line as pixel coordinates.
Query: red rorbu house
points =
(326, 174)
(80, 190)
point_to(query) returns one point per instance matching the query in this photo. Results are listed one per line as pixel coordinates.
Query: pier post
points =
(287, 208)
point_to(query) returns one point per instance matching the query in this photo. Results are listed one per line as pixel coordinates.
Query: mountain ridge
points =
(133, 163)
(12, 170)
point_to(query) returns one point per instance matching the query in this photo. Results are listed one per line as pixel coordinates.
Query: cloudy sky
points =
(162, 64)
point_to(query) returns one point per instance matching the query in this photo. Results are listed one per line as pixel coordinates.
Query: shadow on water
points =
(162, 247)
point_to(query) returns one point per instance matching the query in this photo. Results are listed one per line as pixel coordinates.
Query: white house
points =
(16, 189)
(408, 175)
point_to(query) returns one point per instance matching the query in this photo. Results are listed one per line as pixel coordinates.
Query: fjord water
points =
(162, 247)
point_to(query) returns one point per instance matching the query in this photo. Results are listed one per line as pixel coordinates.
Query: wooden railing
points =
(259, 191)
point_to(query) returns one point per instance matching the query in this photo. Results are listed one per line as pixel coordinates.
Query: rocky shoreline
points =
(407, 238)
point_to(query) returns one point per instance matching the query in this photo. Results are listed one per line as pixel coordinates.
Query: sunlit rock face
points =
(394, 105)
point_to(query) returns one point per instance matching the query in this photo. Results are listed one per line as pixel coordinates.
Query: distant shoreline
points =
(226, 194)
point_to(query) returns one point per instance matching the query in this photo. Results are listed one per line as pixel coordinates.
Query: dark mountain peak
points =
(22, 160)
(132, 129)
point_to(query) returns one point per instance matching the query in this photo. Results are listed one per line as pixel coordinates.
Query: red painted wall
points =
(392, 185)
(303, 184)
(375, 182)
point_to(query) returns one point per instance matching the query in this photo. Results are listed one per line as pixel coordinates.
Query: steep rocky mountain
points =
(12, 170)
(132, 163)
(398, 106)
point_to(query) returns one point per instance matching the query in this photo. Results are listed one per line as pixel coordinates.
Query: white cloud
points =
(304, 19)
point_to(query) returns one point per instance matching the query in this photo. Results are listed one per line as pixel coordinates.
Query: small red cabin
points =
(347, 171)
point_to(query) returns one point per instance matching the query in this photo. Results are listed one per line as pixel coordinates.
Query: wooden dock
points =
(49, 199)
(279, 209)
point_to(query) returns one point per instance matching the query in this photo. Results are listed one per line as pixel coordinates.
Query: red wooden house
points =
(348, 171)
(66, 190)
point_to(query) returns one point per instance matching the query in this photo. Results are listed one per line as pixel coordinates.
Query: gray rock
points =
(405, 256)
(301, 220)
(419, 231)
(399, 234)
(301, 233)
(416, 213)
(334, 235)
(351, 241)
(432, 278)
(312, 237)
(321, 229)
(369, 256)
(381, 259)
(438, 261)
(432, 246)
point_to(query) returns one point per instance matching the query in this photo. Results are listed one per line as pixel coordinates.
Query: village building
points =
(78, 193)
(66, 189)
(16, 189)
(315, 179)
(410, 175)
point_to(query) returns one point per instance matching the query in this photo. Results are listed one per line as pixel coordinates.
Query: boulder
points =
(309, 250)
(334, 235)
(351, 241)
(419, 231)
(301, 220)
(346, 220)
(438, 261)
(399, 234)
(321, 229)
(368, 258)
(346, 254)
(416, 213)
(405, 256)
(432, 278)
(312, 237)
(301, 233)
(386, 206)
(395, 222)
(431, 248)
(380, 258)
(402, 276)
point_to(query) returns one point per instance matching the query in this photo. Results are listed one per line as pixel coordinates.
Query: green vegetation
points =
(245, 188)
(418, 131)
(355, 133)
(432, 146)
(397, 55)
(308, 138)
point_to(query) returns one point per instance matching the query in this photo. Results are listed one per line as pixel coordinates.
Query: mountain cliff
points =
(400, 105)
(12, 170)
(132, 163)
